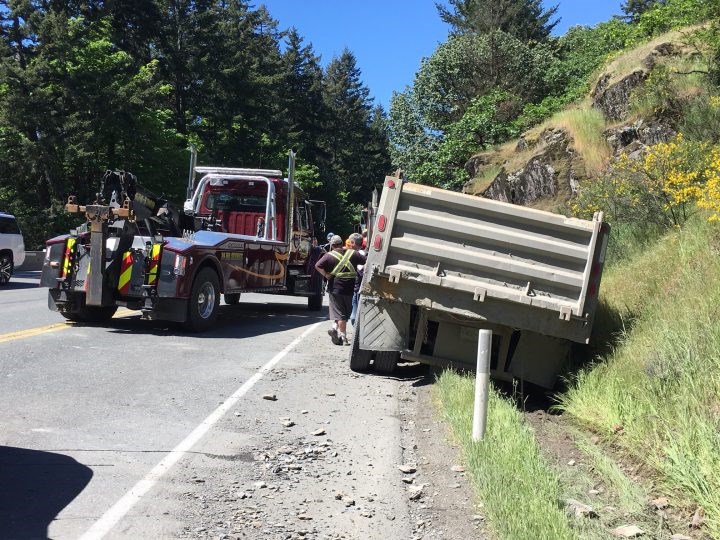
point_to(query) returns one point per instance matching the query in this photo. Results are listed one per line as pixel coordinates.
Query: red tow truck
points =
(240, 230)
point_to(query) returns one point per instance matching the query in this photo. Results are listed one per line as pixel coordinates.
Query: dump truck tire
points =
(204, 303)
(359, 358)
(386, 361)
(232, 299)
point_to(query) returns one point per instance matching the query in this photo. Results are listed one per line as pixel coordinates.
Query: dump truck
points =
(442, 265)
(240, 230)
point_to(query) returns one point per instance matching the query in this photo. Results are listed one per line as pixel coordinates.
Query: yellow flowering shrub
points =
(661, 187)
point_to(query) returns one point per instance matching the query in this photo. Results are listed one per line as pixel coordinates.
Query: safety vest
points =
(343, 268)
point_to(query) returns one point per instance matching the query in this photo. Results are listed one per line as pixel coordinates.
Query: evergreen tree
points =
(352, 160)
(526, 20)
(302, 99)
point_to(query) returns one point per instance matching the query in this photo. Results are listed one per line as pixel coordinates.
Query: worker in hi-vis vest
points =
(339, 267)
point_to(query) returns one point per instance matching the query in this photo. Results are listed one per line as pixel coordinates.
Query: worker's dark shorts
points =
(340, 306)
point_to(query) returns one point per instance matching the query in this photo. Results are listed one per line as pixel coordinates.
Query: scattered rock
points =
(628, 531)
(260, 484)
(457, 468)
(660, 503)
(318, 432)
(270, 397)
(415, 492)
(330, 394)
(579, 509)
(408, 479)
(698, 518)
(678, 536)
(407, 469)
(288, 423)
(571, 463)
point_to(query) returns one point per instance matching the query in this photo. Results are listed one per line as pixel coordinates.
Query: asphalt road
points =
(136, 429)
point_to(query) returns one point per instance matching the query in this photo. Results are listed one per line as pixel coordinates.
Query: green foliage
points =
(129, 84)
(664, 16)
(468, 66)
(701, 119)
(487, 121)
(526, 20)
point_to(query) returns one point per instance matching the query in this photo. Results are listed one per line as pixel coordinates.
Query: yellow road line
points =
(30, 332)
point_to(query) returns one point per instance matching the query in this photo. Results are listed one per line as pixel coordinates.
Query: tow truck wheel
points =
(386, 361)
(359, 358)
(204, 301)
(92, 314)
(232, 299)
(315, 302)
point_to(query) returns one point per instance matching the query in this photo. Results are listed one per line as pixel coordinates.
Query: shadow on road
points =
(14, 284)
(420, 374)
(237, 322)
(34, 487)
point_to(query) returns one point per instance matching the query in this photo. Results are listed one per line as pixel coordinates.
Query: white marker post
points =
(482, 384)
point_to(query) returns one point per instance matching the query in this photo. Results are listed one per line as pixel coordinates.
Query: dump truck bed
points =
(484, 259)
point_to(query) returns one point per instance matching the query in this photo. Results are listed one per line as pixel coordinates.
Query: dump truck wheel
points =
(232, 299)
(204, 302)
(386, 361)
(359, 358)
(315, 302)
(92, 314)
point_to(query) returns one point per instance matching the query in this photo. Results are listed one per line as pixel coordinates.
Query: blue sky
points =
(390, 37)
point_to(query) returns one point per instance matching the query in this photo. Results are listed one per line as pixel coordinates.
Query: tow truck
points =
(240, 230)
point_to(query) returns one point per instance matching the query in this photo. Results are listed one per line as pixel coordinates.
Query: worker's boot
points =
(334, 337)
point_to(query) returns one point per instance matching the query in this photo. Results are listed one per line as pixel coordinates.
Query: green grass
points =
(482, 181)
(659, 388)
(520, 492)
(630, 495)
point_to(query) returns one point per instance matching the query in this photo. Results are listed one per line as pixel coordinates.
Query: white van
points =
(12, 247)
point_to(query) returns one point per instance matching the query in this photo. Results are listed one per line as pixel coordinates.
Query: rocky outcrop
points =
(551, 170)
(614, 99)
(477, 162)
(535, 180)
(644, 132)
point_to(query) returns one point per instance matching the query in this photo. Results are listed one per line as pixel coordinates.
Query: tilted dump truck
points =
(442, 265)
(241, 230)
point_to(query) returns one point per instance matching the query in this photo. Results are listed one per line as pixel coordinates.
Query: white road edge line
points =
(110, 518)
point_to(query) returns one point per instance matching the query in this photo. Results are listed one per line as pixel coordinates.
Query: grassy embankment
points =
(655, 398)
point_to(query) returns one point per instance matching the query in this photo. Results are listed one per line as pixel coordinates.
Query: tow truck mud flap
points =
(383, 325)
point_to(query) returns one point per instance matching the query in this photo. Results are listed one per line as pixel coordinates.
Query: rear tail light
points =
(381, 223)
(377, 242)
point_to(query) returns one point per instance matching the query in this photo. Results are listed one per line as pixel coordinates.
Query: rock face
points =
(548, 167)
(646, 133)
(550, 171)
(614, 99)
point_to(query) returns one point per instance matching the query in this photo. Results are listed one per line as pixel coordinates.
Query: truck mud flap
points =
(384, 325)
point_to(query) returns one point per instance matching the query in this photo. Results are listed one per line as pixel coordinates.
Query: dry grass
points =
(586, 127)
(629, 61)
